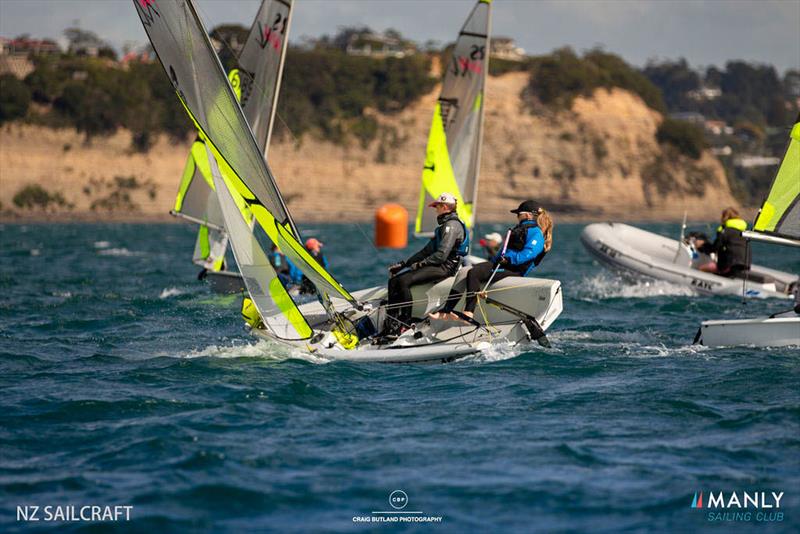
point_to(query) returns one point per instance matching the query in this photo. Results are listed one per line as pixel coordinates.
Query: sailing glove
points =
(396, 267)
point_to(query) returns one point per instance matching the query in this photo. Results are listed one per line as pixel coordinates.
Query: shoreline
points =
(145, 218)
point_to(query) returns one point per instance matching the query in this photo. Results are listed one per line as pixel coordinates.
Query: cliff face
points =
(599, 161)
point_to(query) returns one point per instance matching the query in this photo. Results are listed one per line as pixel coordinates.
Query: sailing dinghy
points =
(256, 82)
(341, 324)
(777, 222)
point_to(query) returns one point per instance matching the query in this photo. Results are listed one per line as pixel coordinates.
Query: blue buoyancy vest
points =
(520, 236)
(461, 247)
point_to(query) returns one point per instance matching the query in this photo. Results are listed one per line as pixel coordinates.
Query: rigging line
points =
(465, 294)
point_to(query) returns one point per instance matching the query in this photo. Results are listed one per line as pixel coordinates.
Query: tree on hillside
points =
(88, 107)
(84, 42)
(675, 79)
(755, 89)
(684, 136)
(15, 97)
(556, 79)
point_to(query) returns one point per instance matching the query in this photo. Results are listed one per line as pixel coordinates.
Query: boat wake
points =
(608, 286)
(639, 344)
(262, 349)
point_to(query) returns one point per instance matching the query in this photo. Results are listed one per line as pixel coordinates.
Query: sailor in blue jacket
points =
(528, 243)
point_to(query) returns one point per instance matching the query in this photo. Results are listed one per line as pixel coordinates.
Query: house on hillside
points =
(375, 45)
(705, 93)
(749, 161)
(23, 46)
(506, 48)
(717, 128)
(688, 116)
(15, 53)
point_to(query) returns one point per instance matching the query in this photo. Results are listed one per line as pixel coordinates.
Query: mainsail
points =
(257, 79)
(778, 219)
(256, 82)
(197, 202)
(185, 52)
(452, 160)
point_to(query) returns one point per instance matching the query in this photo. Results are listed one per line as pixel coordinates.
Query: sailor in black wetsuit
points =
(733, 254)
(439, 259)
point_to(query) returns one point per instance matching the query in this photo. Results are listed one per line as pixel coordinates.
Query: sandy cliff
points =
(599, 161)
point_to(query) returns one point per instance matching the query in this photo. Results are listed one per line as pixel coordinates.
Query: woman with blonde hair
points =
(529, 241)
(730, 246)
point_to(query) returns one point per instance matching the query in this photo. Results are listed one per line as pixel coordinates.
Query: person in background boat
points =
(314, 247)
(730, 246)
(529, 242)
(491, 244)
(699, 245)
(438, 259)
(287, 272)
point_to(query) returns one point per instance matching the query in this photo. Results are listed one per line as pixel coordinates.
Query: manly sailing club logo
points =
(760, 506)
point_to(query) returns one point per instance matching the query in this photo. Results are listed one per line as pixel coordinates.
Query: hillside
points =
(599, 161)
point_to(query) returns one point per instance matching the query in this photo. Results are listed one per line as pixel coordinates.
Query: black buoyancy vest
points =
(517, 241)
(732, 249)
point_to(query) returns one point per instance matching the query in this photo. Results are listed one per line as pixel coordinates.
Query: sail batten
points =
(452, 160)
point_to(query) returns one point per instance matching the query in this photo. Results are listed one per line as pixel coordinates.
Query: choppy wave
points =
(171, 292)
(607, 286)
(170, 405)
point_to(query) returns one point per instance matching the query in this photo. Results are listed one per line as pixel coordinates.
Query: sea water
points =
(125, 383)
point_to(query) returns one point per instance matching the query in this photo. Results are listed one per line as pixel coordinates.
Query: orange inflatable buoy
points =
(391, 226)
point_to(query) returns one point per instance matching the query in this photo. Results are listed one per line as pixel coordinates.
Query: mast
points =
(480, 121)
(274, 110)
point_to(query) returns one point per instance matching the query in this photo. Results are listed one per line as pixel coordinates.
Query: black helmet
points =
(531, 206)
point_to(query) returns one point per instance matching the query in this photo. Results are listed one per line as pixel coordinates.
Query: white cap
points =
(494, 236)
(444, 198)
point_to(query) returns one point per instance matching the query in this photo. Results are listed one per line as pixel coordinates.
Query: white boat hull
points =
(438, 340)
(634, 251)
(764, 332)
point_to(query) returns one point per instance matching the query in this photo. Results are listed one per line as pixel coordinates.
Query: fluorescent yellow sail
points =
(780, 213)
(437, 175)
